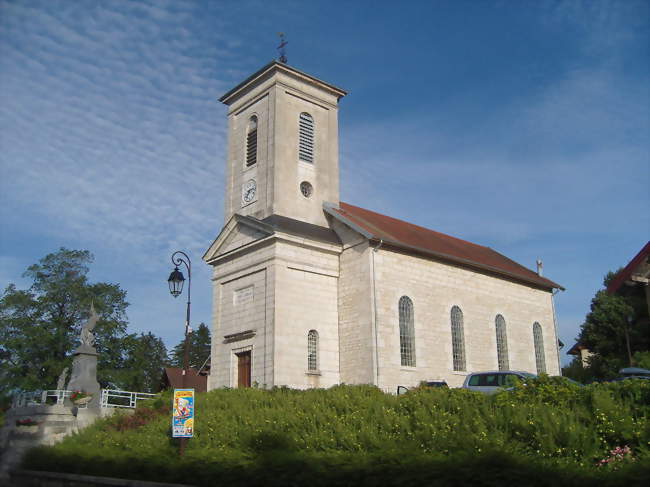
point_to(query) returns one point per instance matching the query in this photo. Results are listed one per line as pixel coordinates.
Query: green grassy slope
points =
(541, 434)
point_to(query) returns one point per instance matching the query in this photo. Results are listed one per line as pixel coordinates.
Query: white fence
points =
(110, 398)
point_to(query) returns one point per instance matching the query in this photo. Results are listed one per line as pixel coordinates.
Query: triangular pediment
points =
(238, 232)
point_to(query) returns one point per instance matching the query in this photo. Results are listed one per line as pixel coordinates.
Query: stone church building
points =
(309, 291)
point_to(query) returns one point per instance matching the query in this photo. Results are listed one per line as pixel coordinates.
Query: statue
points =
(84, 364)
(60, 385)
(87, 337)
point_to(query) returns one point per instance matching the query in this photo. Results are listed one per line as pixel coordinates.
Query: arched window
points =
(457, 338)
(251, 142)
(406, 332)
(312, 351)
(306, 138)
(540, 360)
(502, 343)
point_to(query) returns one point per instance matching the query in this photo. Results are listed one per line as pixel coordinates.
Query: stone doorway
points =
(244, 369)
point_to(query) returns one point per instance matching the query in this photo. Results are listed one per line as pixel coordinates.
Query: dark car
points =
(424, 383)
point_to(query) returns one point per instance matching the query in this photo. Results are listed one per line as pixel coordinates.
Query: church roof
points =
(268, 70)
(302, 229)
(416, 239)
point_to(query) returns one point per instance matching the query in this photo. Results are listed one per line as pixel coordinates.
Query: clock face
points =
(248, 191)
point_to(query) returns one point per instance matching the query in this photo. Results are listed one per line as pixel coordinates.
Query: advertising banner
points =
(183, 414)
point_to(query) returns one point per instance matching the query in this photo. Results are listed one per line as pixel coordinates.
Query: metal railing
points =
(112, 398)
(109, 398)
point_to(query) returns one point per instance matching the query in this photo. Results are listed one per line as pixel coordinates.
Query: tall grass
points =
(543, 430)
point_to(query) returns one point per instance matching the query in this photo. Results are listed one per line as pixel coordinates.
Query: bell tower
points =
(282, 145)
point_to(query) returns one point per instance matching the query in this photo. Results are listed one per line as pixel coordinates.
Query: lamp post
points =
(176, 281)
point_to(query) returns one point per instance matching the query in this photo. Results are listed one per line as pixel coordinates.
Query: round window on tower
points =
(306, 189)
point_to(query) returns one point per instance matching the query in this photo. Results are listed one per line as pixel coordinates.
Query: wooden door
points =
(244, 369)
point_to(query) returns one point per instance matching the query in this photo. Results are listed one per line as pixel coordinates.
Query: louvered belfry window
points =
(312, 351)
(406, 332)
(502, 343)
(251, 142)
(457, 339)
(540, 360)
(306, 135)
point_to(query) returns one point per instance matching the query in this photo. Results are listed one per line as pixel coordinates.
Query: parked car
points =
(433, 383)
(491, 382)
(633, 373)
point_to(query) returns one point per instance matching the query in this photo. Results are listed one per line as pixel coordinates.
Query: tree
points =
(145, 357)
(615, 328)
(39, 327)
(199, 349)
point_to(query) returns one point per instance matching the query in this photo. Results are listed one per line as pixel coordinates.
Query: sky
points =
(519, 125)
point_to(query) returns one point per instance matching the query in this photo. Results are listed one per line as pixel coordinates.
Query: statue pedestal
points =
(84, 374)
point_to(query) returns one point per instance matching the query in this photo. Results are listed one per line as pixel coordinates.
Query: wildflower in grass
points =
(617, 457)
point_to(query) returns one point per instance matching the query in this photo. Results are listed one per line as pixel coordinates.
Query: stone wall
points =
(355, 308)
(434, 287)
(306, 289)
(54, 422)
(243, 301)
(266, 300)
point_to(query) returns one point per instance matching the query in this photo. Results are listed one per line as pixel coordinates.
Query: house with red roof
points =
(310, 291)
(632, 281)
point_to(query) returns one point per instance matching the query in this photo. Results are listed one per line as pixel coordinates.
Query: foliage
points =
(40, 326)
(576, 371)
(604, 330)
(548, 432)
(642, 359)
(199, 348)
(139, 418)
(144, 358)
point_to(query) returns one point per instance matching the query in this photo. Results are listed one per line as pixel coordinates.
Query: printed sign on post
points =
(183, 415)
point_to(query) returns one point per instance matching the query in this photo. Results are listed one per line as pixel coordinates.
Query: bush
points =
(546, 429)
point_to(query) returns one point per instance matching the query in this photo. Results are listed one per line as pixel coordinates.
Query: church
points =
(309, 291)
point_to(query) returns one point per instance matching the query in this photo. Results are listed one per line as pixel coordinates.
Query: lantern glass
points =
(175, 282)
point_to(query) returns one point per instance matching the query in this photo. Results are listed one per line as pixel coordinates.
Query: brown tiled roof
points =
(638, 260)
(421, 240)
(173, 377)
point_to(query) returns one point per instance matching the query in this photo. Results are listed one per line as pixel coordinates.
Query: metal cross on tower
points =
(281, 49)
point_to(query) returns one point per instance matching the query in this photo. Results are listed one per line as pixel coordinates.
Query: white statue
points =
(87, 337)
(60, 385)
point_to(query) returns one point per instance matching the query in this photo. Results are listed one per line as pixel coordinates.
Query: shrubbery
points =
(548, 431)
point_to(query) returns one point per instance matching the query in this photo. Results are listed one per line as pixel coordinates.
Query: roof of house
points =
(575, 349)
(173, 377)
(413, 238)
(639, 260)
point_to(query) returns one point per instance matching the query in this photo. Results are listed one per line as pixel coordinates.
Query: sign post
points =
(183, 414)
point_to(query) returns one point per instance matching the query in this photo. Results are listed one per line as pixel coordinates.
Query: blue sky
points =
(518, 125)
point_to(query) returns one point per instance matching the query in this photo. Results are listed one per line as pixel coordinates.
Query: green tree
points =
(614, 329)
(199, 348)
(39, 327)
(145, 357)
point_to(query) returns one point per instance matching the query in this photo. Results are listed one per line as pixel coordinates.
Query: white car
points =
(491, 382)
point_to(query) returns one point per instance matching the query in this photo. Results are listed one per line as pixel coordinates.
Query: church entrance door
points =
(244, 369)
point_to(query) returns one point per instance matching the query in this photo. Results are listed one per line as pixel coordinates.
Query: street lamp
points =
(176, 281)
